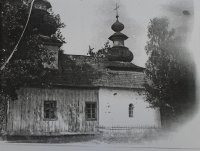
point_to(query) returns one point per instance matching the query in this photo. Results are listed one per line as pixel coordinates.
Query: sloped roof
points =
(122, 79)
(86, 71)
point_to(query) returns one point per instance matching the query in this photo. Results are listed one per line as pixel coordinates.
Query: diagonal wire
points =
(15, 48)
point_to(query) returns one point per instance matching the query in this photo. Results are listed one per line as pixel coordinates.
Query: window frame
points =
(92, 111)
(130, 110)
(52, 110)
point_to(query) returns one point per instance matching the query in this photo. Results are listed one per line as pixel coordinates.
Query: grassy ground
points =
(103, 137)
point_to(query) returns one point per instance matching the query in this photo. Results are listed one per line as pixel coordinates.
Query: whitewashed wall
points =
(113, 109)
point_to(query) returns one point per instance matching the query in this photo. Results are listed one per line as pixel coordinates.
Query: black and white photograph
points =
(99, 75)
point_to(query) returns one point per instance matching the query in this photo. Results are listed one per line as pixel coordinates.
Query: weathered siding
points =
(3, 112)
(114, 105)
(26, 115)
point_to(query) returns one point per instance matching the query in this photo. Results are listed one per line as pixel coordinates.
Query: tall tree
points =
(27, 63)
(170, 72)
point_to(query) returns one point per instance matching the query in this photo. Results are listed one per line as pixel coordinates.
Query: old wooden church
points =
(86, 92)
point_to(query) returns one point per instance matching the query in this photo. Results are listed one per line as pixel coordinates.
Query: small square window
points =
(50, 110)
(91, 111)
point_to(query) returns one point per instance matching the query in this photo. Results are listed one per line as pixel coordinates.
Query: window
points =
(130, 110)
(91, 111)
(50, 110)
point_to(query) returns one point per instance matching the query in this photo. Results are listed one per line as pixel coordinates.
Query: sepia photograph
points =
(99, 75)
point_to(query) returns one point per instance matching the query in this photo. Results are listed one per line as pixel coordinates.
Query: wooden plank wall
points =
(26, 116)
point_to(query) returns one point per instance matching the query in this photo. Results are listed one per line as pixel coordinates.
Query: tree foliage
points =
(170, 71)
(27, 62)
(101, 53)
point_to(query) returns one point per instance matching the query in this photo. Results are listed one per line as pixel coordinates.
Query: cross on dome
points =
(116, 8)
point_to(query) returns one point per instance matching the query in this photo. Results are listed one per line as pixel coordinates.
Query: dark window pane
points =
(93, 106)
(90, 109)
(87, 105)
(50, 109)
(47, 114)
(47, 105)
(94, 116)
(88, 115)
(93, 111)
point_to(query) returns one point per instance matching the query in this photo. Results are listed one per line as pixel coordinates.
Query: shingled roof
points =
(87, 71)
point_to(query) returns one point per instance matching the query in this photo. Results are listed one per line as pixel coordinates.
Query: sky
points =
(88, 22)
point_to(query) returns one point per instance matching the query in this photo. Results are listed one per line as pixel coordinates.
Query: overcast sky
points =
(88, 22)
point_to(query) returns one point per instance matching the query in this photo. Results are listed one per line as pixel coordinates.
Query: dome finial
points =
(117, 26)
(116, 8)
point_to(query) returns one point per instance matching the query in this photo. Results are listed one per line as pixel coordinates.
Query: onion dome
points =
(42, 22)
(119, 52)
(117, 26)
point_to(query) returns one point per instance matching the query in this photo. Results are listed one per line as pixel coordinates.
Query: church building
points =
(86, 93)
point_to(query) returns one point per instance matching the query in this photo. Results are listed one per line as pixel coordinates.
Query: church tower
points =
(119, 52)
(46, 26)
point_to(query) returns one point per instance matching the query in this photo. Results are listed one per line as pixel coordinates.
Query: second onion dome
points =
(41, 20)
(117, 26)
